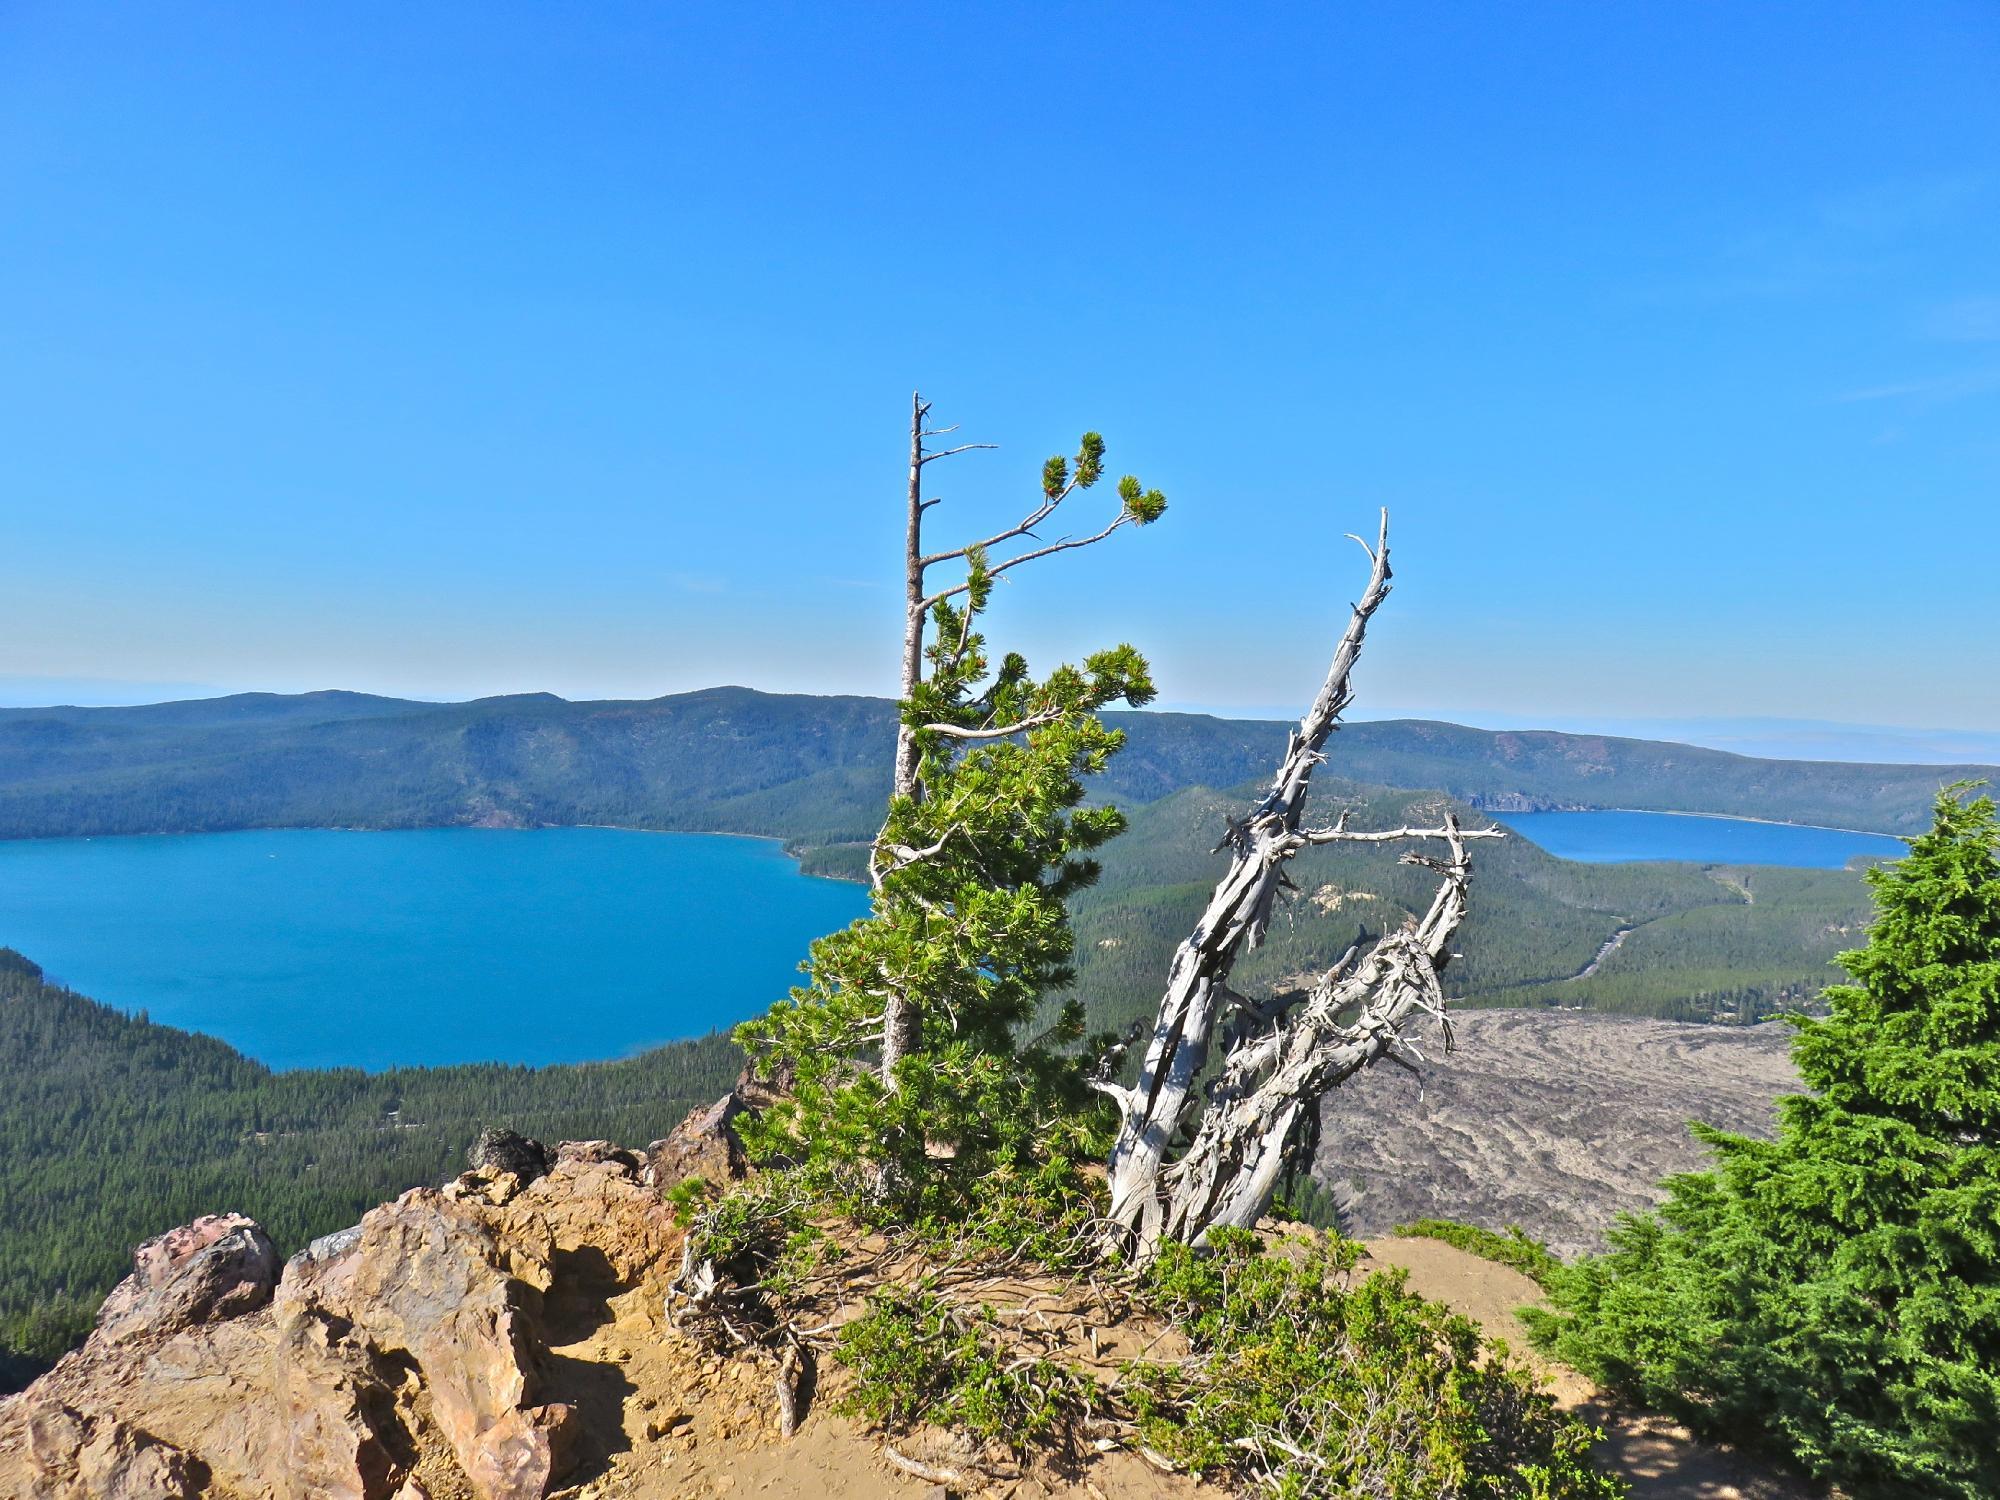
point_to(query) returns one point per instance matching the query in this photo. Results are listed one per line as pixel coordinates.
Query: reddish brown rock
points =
(217, 1267)
(704, 1145)
(427, 1276)
(417, 1340)
(50, 1451)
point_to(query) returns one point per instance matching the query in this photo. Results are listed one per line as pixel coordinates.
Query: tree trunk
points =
(913, 603)
(902, 1025)
(1237, 914)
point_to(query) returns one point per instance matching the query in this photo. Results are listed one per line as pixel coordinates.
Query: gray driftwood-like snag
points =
(1280, 1057)
(901, 1024)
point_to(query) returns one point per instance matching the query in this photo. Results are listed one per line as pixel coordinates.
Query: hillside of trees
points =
(811, 770)
(117, 1129)
(1698, 942)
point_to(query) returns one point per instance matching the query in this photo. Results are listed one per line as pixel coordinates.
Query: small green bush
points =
(1306, 1385)
(918, 1358)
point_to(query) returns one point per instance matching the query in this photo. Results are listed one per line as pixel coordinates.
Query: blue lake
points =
(317, 948)
(1612, 837)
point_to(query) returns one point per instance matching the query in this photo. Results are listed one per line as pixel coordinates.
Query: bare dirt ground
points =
(1552, 1120)
(1658, 1457)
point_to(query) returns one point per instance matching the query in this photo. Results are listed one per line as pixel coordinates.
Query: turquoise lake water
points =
(319, 948)
(1613, 837)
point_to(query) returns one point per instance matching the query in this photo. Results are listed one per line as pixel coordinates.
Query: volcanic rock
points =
(509, 1151)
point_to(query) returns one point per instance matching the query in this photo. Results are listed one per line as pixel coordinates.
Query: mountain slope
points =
(807, 769)
(117, 1129)
(1698, 942)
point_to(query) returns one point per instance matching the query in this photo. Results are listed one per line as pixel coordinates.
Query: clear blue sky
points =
(448, 350)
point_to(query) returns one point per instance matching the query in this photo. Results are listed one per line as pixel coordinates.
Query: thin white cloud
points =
(1889, 210)
(1936, 388)
(697, 583)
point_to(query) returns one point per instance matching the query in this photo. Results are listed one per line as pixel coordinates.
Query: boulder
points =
(499, 1151)
(428, 1277)
(706, 1144)
(217, 1267)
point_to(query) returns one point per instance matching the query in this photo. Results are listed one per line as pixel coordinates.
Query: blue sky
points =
(464, 349)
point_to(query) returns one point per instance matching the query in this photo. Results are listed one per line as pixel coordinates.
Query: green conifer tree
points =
(1835, 1292)
(968, 926)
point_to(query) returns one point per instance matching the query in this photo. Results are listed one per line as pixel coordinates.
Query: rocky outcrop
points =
(408, 1358)
(499, 1150)
(66, 1453)
(204, 1272)
(706, 1144)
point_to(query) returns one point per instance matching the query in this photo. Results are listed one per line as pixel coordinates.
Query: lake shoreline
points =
(1663, 812)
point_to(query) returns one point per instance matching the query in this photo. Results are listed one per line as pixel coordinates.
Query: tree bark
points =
(1273, 1074)
(913, 601)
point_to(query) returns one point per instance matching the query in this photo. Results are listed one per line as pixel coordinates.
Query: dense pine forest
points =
(117, 1129)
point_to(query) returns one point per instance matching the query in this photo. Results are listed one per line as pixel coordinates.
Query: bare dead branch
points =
(998, 731)
(1338, 835)
(1282, 1056)
(931, 458)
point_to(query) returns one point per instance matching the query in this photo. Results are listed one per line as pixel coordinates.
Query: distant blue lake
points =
(316, 948)
(1612, 837)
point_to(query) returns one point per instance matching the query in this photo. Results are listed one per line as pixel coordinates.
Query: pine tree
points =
(968, 933)
(1835, 1292)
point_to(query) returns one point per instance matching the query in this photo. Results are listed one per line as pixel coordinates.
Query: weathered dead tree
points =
(901, 1025)
(1281, 1057)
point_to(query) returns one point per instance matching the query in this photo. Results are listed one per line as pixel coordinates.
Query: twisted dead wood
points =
(1288, 1054)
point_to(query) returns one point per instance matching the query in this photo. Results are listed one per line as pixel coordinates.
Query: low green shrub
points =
(1305, 1384)
(917, 1358)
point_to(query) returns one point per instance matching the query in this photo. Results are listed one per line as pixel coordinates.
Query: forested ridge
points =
(1698, 942)
(810, 770)
(117, 1129)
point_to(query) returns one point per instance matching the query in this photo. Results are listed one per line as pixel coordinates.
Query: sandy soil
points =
(1552, 1120)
